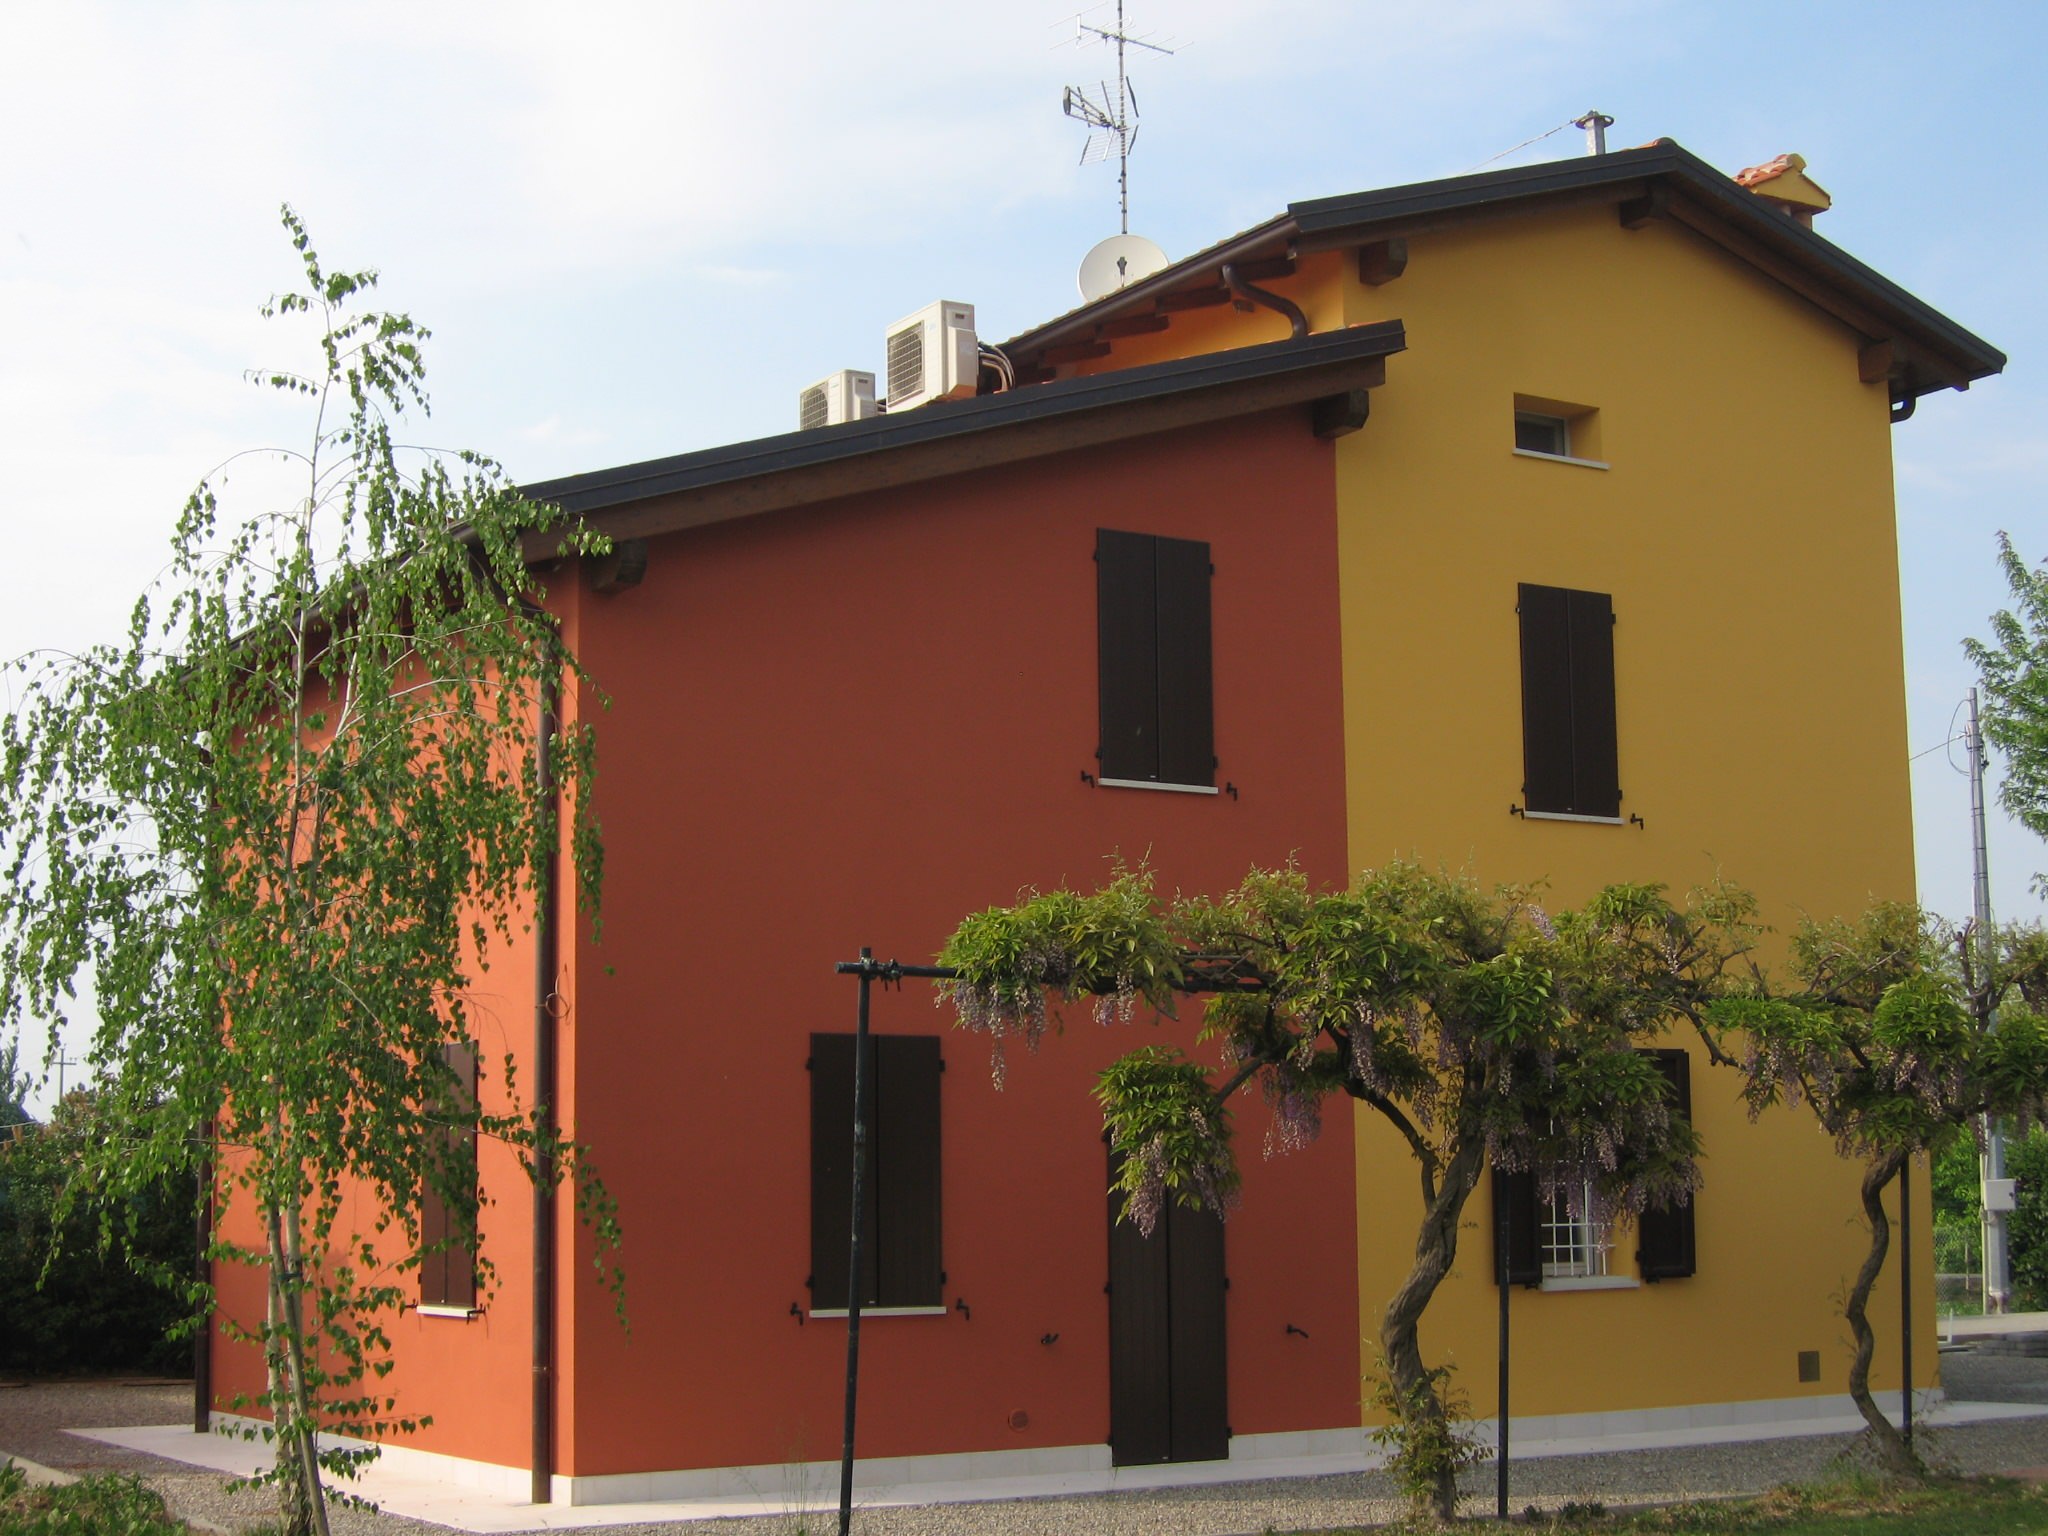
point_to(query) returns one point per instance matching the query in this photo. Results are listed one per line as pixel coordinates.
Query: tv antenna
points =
(1110, 120)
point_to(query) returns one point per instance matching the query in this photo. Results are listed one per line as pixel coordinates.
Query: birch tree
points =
(281, 827)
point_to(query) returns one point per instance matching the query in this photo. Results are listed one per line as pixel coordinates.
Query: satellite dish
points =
(1116, 263)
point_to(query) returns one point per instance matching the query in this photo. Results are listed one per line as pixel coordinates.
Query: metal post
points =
(1596, 123)
(1500, 1249)
(1997, 1252)
(853, 1286)
(1906, 1286)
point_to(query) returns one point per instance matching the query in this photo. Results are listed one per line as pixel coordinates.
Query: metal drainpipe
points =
(1265, 298)
(544, 1093)
(202, 1271)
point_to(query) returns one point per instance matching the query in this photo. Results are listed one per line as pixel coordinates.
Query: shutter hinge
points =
(942, 1277)
(942, 1063)
(1107, 1287)
(1212, 567)
(807, 1063)
(810, 1282)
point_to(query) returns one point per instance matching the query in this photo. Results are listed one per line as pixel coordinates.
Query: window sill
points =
(435, 1309)
(881, 1311)
(1178, 789)
(1561, 458)
(1602, 821)
(1589, 1283)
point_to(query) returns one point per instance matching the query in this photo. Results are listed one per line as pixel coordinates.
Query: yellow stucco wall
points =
(1745, 531)
(1744, 527)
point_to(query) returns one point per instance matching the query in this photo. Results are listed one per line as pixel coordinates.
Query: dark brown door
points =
(1167, 1388)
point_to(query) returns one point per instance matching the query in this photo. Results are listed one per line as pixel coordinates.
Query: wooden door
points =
(1167, 1385)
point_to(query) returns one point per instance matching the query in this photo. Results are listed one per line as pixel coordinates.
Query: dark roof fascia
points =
(1345, 220)
(947, 437)
(1329, 222)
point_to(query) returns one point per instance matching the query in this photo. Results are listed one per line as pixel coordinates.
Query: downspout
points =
(544, 955)
(1266, 298)
(202, 1272)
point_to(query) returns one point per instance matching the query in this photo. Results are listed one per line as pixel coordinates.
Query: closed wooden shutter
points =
(1127, 653)
(899, 1238)
(1187, 744)
(1666, 1247)
(1524, 1256)
(1154, 659)
(448, 1274)
(1596, 775)
(1546, 698)
(906, 1166)
(1569, 746)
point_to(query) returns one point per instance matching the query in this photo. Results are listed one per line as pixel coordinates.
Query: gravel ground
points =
(33, 1420)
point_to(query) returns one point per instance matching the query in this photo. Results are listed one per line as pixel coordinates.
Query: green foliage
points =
(281, 826)
(87, 1293)
(108, 1504)
(1428, 1434)
(2014, 669)
(1480, 1027)
(2026, 1161)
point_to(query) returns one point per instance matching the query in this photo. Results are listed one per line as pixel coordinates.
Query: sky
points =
(639, 229)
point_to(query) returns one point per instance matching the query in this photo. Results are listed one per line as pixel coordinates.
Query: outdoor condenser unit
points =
(848, 395)
(932, 355)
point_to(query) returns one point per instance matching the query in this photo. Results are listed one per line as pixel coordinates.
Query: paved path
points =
(37, 1422)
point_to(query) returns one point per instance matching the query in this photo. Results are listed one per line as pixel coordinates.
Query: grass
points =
(109, 1505)
(1863, 1505)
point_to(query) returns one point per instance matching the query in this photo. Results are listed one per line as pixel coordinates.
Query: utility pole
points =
(1995, 1190)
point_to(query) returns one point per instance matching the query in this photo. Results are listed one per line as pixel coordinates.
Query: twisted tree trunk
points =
(1892, 1449)
(1417, 1400)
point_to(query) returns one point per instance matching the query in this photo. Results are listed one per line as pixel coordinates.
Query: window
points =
(1558, 429)
(900, 1189)
(1152, 652)
(1569, 749)
(1546, 1243)
(1537, 433)
(448, 1269)
(1573, 1249)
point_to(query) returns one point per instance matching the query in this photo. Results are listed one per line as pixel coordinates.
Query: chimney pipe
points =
(1596, 123)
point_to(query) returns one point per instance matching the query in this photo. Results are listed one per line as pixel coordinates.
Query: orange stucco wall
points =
(852, 725)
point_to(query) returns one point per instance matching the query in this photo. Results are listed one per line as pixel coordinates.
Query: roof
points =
(1928, 351)
(949, 437)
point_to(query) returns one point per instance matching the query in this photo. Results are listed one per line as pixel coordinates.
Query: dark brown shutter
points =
(1187, 744)
(1596, 778)
(1546, 698)
(1666, 1248)
(448, 1276)
(832, 1172)
(1140, 1339)
(1127, 653)
(1201, 1402)
(906, 1170)
(1524, 1255)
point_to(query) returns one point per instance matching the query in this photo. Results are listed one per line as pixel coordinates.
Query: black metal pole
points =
(853, 1286)
(1500, 1264)
(1906, 1286)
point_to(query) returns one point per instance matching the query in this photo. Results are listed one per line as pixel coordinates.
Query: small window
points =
(1570, 748)
(1153, 659)
(1543, 434)
(1558, 429)
(900, 1184)
(448, 1199)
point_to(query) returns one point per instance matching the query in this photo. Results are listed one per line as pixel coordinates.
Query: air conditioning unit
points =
(932, 355)
(848, 395)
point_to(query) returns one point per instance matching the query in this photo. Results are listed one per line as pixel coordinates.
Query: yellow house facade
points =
(1637, 380)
